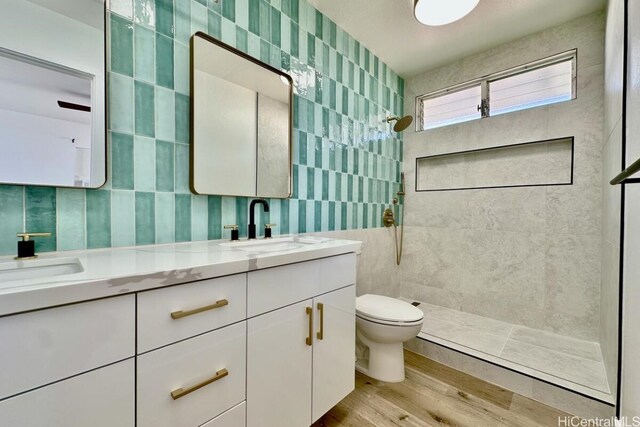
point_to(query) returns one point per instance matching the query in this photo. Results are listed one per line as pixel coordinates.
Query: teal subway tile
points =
(123, 222)
(302, 216)
(215, 5)
(318, 152)
(98, 219)
(295, 40)
(294, 11)
(144, 164)
(145, 54)
(311, 50)
(265, 51)
(332, 216)
(164, 17)
(215, 217)
(325, 185)
(122, 167)
(284, 216)
(164, 61)
(242, 14)
(254, 16)
(145, 218)
(227, 207)
(285, 33)
(310, 215)
(293, 216)
(199, 217)
(285, 7)
(265, 20)
(183, 217)
(214, 24)
(121, 33)
(165, 212)
(310, 184)
(301, 148)
(183, 21)
(70, 205)
(242, 215)
(228, 32)
(165, 114)
(120, 103)
(181, 68)
(199, 17)
(242, 40)
(182, 118)
(182, 168)
(317, 218)
(229, 9)
(145, 109)
(40, 210)
(12, 214)
(343, 215)
(145, 12)
(165, 155)
(275, 27)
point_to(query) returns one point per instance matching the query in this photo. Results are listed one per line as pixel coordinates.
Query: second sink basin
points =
(38, 268)
(273, 245)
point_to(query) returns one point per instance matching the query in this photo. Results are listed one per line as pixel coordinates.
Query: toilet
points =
(382, 325)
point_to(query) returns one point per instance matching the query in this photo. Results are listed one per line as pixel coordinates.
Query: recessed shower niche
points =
(537, 163)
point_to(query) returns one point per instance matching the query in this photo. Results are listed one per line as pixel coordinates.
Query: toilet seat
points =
(387, 311)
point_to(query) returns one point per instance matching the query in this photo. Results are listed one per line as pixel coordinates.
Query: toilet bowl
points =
(382, 325)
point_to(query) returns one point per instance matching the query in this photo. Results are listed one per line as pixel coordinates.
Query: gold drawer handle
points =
(178, 393)
(180, 314)
(309, 339)
(320, 333)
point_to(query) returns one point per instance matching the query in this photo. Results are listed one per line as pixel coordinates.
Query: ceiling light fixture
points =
(442, 12)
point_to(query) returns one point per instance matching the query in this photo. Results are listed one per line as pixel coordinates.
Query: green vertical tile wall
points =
(347, 162)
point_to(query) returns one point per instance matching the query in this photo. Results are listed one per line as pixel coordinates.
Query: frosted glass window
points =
(457, 107)
(542, 82)
(542, 86)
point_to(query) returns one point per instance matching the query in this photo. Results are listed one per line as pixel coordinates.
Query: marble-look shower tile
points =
(573, 285)
(463, 334)
(468, 320)
(576, 369)
(560, 343)
(507, 209)
(573, 209)
(429, 257)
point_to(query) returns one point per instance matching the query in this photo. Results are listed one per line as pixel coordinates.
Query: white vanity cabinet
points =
(66, 366)
(300, 353)
(272, 347)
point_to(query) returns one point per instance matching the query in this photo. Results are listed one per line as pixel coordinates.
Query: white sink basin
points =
(273, 245)
(38, 268)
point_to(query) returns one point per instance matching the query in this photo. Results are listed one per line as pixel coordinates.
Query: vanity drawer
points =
(234, 417)
(44, 346)
(276, 287)
(183, 311)
(187, 365)
(100, 398)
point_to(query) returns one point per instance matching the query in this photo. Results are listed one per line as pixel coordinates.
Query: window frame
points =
(484, 82)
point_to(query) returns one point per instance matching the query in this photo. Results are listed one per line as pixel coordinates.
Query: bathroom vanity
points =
(217, 334)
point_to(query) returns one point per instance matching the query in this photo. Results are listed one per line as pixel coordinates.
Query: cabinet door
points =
(334, 350)
(279, 368)
(100, 398)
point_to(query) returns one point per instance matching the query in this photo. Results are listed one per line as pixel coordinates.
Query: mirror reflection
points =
(52, 93)
(241, 123)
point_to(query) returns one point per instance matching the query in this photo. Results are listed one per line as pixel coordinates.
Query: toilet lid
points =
(386, 308)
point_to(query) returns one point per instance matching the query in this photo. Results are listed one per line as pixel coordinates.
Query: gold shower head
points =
(401, 122)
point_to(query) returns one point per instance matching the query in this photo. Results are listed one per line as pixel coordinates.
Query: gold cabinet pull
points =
(320, 333)
(309, 339)
(180, 314)
(178, 393)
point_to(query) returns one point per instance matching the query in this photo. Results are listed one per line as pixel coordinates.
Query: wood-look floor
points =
(435, 395)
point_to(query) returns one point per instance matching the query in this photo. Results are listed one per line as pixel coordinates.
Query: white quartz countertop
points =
(118, 271)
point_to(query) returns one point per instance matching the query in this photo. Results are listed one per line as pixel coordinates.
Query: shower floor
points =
(565, 361)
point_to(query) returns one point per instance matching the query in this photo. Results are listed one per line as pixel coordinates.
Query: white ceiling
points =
(389, 29)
